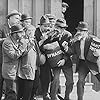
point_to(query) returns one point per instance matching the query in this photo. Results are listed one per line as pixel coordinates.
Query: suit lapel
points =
(78, 48)
(87, 45)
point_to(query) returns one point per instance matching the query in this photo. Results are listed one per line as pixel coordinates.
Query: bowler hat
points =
(82, 26)
(65, 4)
(13, 12)
(16, 28)
(61, 23)
(44, 20)
(25, 17)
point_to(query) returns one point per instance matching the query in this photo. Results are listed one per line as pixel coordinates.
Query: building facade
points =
(36, 8)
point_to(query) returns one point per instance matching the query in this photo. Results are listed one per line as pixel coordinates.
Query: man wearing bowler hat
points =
(30, 31)
(12, 49)
(26, 20)
(80, 49)
(13, 17)
(27, 24)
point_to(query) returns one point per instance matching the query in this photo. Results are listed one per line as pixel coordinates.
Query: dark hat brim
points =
(44, 24)
(21, 30)
(79, 28)
(62, 26)
(26, 18)
(8, 16)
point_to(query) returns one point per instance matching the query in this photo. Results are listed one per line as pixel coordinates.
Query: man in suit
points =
(26, 20)
(45, 74)
(58, 59)
(12, 49)
(80, 50)
(13, 17)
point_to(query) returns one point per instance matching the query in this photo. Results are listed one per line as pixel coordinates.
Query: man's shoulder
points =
(67, 33)
(7, 41)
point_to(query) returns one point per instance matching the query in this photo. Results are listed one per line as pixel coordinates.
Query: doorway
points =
(74, 14)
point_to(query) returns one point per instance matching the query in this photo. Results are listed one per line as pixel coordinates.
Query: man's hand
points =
(61, 62)
(23, 44)
(65, 45)
(43, 38)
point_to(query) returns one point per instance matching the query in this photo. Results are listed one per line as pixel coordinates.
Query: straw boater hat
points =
(13, 12)
(16, 29)
(25, 17)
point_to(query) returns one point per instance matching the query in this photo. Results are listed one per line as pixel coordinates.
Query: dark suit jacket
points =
(4, 32)
(76, 50)
(11, 54)
(66, 35)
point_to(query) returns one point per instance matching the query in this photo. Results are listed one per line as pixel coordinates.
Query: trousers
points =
(83, 70)
(68, 73)
(24, 88)
(11, 90)
(1, 81)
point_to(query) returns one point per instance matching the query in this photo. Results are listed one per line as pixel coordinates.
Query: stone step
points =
(88, 86)
(63, 80)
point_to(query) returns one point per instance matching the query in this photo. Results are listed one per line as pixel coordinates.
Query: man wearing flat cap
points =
(82, 58)
(41, 36)
(26, 20)
(13, 17)
(12, 49)
(58, 59)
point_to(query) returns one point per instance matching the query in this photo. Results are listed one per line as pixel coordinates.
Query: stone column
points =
(53, 7)
(98, 18)
(88, 14)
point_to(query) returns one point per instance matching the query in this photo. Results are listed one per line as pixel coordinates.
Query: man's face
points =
(20, 35)
(27, 22)
(64, 9)
(84, 33)
(15, 19)
(52, 23)
(45, 27)
(59, 29)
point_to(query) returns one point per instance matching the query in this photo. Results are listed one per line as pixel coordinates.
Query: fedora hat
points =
(13, 12)
(61, 23)
(25, 17)
(82, 26)
(16, 28)
(44, 20)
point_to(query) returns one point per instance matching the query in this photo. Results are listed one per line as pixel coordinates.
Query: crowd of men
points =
(29, 55)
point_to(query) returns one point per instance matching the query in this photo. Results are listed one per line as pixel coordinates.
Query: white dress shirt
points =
(82, 44)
